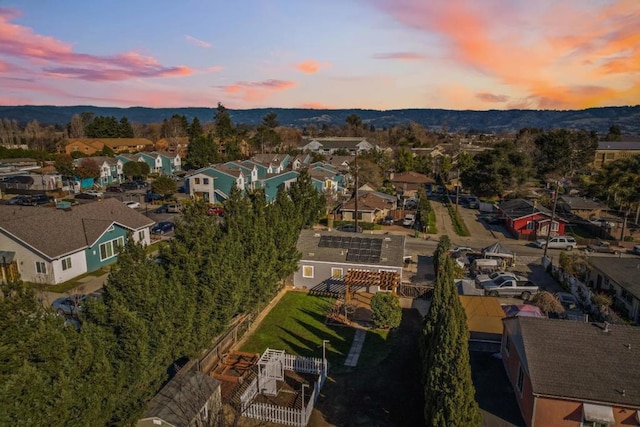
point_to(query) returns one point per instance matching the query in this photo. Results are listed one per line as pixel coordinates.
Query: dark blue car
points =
(152, 197)
(162, 227)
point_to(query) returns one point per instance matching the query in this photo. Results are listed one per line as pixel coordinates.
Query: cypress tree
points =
(449, 391)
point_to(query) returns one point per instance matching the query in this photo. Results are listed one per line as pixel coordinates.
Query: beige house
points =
(373, 206)
(610, 151)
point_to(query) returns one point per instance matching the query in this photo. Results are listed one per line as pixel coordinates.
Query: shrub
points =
(385, 310)
(548, 303)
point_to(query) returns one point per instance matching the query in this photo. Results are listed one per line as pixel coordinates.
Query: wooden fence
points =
(223, 344)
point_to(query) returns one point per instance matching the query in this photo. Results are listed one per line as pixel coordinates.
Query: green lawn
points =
(69, 284)
(297, 325)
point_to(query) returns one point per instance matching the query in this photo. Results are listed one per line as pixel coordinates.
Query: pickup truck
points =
(505, 286)
(604, 248)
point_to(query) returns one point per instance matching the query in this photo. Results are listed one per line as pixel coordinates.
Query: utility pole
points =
(553, 216)
(355, 210)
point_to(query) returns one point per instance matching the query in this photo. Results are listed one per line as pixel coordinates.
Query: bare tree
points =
(76, 127)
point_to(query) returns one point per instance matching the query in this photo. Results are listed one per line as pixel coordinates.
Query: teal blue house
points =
(161, 163)
(213, 184)
(272, 185)
(51, 246)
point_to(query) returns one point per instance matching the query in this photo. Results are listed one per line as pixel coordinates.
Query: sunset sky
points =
(372, 54)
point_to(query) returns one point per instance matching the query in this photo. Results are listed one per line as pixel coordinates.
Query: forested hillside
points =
(596, 119)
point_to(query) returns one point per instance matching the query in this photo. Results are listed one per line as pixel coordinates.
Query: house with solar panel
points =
(329, 256)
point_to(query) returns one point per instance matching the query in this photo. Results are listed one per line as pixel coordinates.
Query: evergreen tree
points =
(125, 128)
(224, 129)
(449, 391)
(195, 129)
(309, 203)
(202, 151)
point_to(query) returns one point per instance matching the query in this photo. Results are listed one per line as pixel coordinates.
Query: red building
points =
(573, 374)
(524, 218)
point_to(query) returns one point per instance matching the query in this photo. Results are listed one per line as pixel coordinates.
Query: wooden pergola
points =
(385, 280)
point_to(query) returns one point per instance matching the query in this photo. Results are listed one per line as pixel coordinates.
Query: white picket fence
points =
(280, 414)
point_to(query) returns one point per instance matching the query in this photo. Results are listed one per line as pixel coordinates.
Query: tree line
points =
(153, 313)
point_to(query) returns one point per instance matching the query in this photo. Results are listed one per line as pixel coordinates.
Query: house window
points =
(307, 271)
(204, 413)
(507, 344)
(196, 181)
(336, 273)
(66, 263)
(520, 379)
(205, 181)
(555, 226)
(141, 235)
(41, 267)
(530, 225)
(111, 248)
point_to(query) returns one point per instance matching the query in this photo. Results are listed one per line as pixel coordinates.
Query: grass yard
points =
(69, 284)
(296, 324)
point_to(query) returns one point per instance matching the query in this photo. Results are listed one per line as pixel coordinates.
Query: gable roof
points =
(57, 232)
(411, 178)
(113, 142)
(337, 142)
(581, 203)
(391, 253)
(368, 201)
(623, 271)
(579, 360)
(520, 208)
(182, 398)
(267, 158)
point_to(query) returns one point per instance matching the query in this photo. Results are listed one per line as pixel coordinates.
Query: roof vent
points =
(606, 326)
(629, 346)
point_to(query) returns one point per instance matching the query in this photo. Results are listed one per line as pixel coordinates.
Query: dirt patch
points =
(387, 394)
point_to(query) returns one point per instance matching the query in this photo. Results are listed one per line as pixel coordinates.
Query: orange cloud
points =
(258, 91)
(57, 58)
(402, 56)
(490, 97)
(570, 54)
(311, 66)
(316, 106)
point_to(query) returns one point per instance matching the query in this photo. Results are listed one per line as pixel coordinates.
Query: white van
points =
(409, 220)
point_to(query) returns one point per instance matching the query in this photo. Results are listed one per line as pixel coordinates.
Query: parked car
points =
(558, 242)
(129, 185)
(604, 248)
(473, 202)
(162, 227)
(601, 222)
(174, 208)
(73, 304)
(409, 220)
(162, 209)
(115, 189)
(152, 197)
(571, 305)
(636, 250)
(388, 220)
(34, 200)
(16, 200)
(215, 211)
(132, 204)
(350, 228)
(505, 286)
(86, 196)
(485, 278)
(96, 193)
(141, 183)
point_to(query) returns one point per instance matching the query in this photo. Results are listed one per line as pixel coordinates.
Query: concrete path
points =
(356, 348)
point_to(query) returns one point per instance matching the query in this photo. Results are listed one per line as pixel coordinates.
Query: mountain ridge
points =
(597, 119)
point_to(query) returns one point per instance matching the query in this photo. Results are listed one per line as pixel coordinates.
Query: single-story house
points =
(524, 218)
(52, 246)
(581, 206)
(409, 183)
(573, 373)
(327, 256)
(373, 206)
(190, 399)
(619, 276)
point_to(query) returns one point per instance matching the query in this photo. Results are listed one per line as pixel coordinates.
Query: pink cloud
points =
(402, 56)
(57, 58)
(555, 45)
(197, 42)
(311, 66)
(490, 97)
(257, 91)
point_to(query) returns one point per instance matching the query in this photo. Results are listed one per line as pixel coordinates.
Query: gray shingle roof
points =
(581, 203)
(518, 208)
(182, 398)
(56, 232)
(624, 271)
(578, 360)
(618, 145)
(392, 247)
